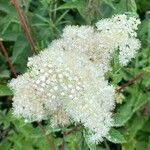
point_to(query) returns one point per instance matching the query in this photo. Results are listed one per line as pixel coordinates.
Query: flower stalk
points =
(137, 77)
(25, 26)
(34, 50)
(12, 68)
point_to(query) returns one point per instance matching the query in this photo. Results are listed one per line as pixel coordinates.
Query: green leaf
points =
(146, 127)
(132, 5)
(141, 101)
(19, 46)
(135, 126)
(21, 52)
(110, 3)
(6, 7)
(89, 144)
(115, 136)
(5, 91)
(9, 36)
(5, 74)
(147, 69)
(129, 146)
(116, 78)
(71, 5)
(132, 129)
(124, 113)
(5, 144)
(77, 4)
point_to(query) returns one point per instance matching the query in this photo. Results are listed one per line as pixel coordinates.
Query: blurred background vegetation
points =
(46, 19)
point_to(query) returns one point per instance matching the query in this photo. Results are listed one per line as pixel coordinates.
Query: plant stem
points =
(72, 130)
(33, 47)
(49, 140)
(106, 145)
(130, 82)
(24, 25)
(12, 68)
(62, 147)
(126, 5)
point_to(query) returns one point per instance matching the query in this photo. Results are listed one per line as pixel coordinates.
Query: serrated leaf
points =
(116, 78)
(124, 113)
(5, 91)
(141, 101)
(19, 46)
(115, 136)
(21, 52)
(132, 5)
(77, 4)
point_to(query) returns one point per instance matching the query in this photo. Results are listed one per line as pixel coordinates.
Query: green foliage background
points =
(46, 19)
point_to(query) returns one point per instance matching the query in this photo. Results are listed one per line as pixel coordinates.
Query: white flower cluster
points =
(120, 32)
(66, 82)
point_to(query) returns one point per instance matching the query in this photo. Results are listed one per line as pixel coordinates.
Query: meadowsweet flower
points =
(94, 110)
(120, 32)
(79, 38)
(86, 40)
(66, 82)
(27, 102)
(128, 50)
(59, 117)
(100, 43)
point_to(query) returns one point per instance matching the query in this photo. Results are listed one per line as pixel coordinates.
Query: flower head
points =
(63, 81)
(120, 32)
(66, 82)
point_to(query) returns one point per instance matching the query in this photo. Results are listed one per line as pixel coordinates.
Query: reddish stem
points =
(12, 68)
(130, 82)
(49, 140)
(72, 130)
(33, 47)
(24, 25)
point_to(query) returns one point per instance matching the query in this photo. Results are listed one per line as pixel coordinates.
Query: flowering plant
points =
(66, 82)
(74, 74)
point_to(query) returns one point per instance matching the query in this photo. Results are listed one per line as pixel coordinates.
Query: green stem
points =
(106, 145)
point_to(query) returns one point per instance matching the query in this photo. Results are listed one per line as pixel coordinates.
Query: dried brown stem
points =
(12, 68)
(130, 81)
(24, 25)
(49, 140)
